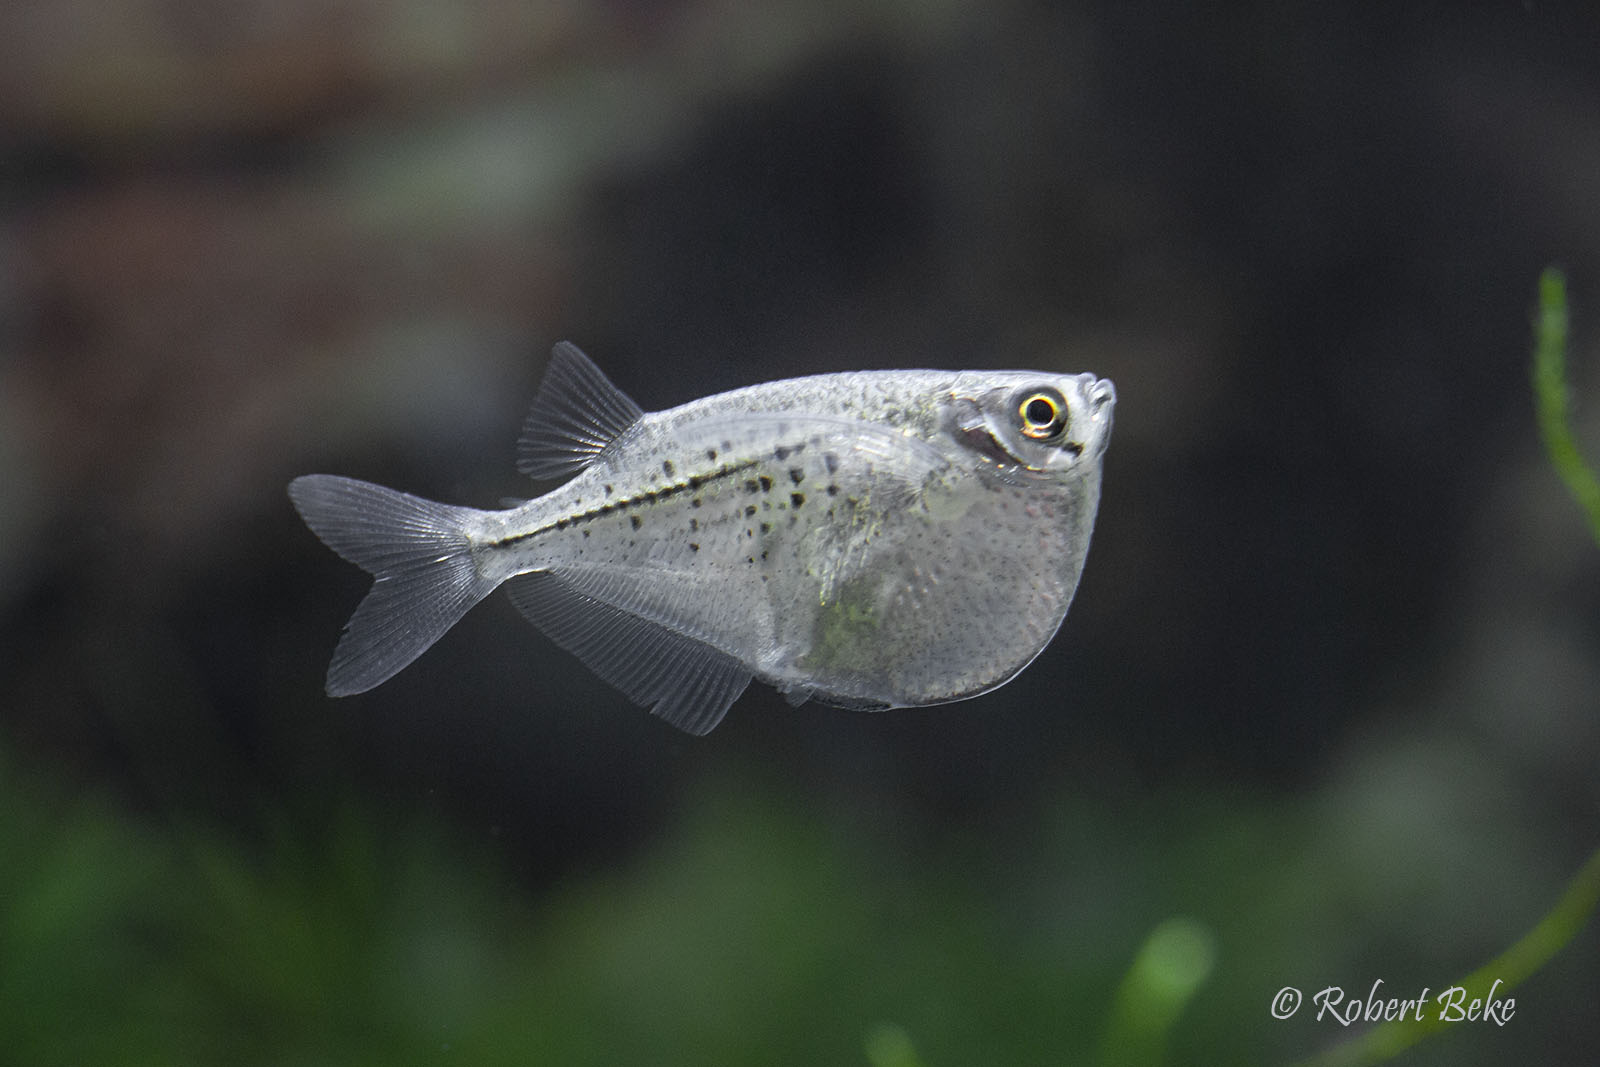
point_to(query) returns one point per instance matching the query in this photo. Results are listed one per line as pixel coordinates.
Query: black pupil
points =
(1040, 412)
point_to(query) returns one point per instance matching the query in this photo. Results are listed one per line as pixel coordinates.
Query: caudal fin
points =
(421, 561)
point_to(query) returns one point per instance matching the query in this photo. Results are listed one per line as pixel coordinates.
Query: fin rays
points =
(577, 413)
(418, 553)
(686, 682)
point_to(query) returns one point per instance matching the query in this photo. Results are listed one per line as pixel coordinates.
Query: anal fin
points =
(684, 681)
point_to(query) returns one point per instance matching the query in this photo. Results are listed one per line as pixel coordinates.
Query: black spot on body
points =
(635, 521)
(830, 461)
(749, 510)
(766, 527)
(693, 547)
(666, 467)
(752, 486)
(766, 484)
(608, 490)
(646, 496)
(833, 490)
(796, 475)
(797, 499)
(694, 524)
(711, 454)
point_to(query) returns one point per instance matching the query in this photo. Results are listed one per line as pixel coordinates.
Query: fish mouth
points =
(1102, 397)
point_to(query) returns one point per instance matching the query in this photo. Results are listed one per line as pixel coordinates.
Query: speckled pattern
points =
(869, 539)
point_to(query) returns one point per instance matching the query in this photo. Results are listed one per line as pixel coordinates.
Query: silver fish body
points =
(869, 539)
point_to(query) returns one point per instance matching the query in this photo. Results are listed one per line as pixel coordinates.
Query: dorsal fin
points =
(577, 413)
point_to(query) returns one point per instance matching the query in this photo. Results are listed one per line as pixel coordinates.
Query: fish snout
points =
(1101, 394)
(1100, 400)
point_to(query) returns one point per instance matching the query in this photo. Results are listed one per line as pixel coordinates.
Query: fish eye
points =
(1043, 413)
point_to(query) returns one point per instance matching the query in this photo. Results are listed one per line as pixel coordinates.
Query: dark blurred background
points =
(1326, 704)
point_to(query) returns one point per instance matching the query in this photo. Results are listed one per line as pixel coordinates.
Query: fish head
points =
(1030, 423)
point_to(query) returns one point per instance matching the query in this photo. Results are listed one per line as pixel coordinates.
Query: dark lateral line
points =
(649, 496)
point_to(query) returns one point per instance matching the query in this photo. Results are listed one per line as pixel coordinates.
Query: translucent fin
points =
(686, 682)
(420, 557)
(577, 413)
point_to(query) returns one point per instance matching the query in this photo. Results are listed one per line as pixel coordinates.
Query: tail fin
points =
(421, 561)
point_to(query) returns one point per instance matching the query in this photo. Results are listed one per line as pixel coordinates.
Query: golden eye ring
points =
(1043, 414)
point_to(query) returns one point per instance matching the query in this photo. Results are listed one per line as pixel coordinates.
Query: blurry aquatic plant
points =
(1553, 406)
(889, 1045)
(1174, 962)
(1553, 397)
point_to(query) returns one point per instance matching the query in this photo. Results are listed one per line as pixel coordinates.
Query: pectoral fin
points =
(685, 681)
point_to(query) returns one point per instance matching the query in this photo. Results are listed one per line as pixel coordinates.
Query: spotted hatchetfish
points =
(871, 539)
